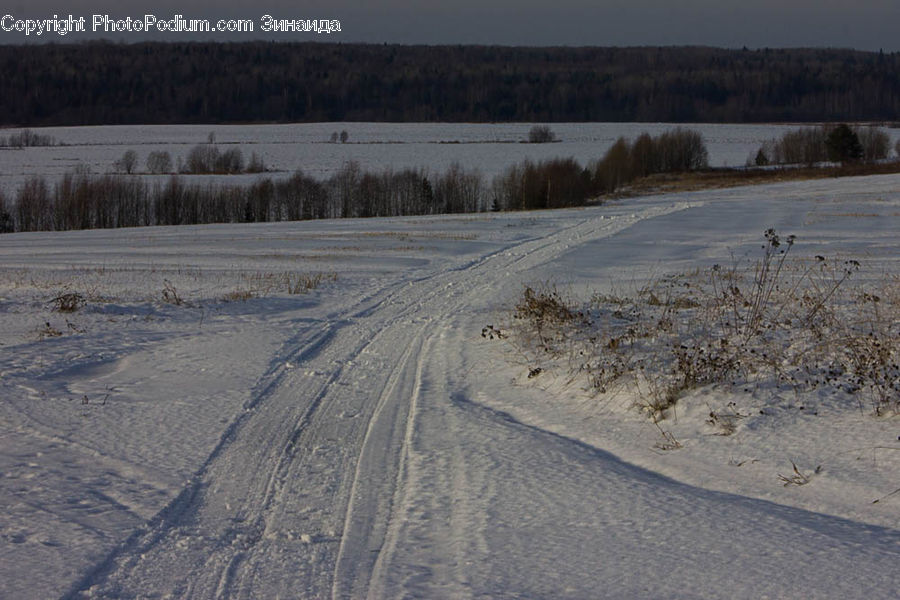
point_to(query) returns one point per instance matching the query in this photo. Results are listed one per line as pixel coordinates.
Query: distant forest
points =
(154, 83)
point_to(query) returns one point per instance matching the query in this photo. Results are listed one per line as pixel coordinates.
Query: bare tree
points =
(875, 142)
(613, 169)
(159, 162)
(34, 209)
(201, 159)
(230, 161)
(128, 162)
(6, 220)
(256, 164)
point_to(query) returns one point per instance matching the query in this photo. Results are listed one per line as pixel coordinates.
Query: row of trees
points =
(82, 201)
(558, 183)
(835, 143)
(27, 138)
(207, 158)
(201, 159)
(109, 83)
(678, 150)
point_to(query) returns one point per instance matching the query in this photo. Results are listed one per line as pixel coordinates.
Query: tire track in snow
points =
(270, 507)
(197, 497)
(312, 436)
(300, 347)
(175, 512)
(415, 503)
(492, 507)
(369, 510)
(365, 534)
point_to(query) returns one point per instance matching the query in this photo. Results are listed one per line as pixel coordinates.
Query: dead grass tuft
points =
(69, 302)
(778, 321)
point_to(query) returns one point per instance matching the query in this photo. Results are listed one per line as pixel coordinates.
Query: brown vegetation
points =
(729, 177)
(776, 322)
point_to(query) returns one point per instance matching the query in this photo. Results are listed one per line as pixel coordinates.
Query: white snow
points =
(363, 440)
(284, 148)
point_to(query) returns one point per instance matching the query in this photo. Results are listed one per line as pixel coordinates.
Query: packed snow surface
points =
(308, 410)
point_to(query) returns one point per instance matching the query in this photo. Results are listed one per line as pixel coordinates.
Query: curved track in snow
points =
(369, 468)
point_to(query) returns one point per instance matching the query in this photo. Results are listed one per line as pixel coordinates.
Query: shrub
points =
(231, 161)
(127, 163)
(681, 150)
(170, 294)
(777, 322)
(543, 306)
(541, 134)
(547, 318)
(159, 162)
(799, 146)
(300, 283)
(875, 142)
(69, 302)
(256, 164)
(201, 159)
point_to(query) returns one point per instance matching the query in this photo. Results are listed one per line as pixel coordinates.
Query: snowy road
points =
(371, 460)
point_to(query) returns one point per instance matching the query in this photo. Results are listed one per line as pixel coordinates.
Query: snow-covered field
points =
(488, 147)
(362, 439)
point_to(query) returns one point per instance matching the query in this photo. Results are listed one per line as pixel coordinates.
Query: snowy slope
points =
(363, 440)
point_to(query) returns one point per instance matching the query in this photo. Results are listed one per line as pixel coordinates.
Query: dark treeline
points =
(563, 182)
(110, 83)
(84, 201)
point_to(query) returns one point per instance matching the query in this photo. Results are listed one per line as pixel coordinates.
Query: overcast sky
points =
(862, 24)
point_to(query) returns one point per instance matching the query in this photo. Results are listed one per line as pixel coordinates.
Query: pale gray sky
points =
(862, 24)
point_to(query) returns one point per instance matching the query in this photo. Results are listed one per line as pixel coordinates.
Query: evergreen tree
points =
(843, 144)
(6, 222)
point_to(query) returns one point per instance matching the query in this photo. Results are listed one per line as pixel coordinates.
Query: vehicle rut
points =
(299, 492)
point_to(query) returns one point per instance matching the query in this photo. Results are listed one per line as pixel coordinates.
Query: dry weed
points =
(777, 321)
